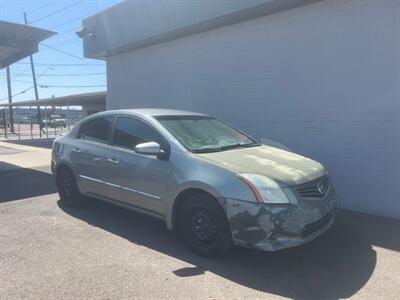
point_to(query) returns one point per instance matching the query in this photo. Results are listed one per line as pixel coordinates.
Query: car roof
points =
(153, 112)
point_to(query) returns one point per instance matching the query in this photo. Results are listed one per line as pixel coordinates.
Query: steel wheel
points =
(67, 188)
(203, 225)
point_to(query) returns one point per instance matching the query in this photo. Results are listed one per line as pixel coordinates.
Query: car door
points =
(138, 180)
(90, 153)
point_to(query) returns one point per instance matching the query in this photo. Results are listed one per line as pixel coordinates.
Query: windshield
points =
(202, 134)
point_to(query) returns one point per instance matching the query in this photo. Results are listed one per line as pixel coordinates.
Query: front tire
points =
(203, 226)
(68, 189)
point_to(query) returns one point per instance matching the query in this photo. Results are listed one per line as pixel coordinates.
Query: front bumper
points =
(273, 227)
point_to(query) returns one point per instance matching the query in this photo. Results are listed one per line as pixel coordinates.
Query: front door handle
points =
(113, 161)
(77, 150)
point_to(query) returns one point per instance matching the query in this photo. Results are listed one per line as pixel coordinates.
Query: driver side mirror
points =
(150, 148)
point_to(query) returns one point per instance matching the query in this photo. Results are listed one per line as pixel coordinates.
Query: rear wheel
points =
(68, 189)
(203, 226)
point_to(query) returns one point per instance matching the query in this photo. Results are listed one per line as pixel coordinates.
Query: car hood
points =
(286, 168)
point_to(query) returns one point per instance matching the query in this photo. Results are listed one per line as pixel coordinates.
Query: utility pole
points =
(10, 100)
(35, 86)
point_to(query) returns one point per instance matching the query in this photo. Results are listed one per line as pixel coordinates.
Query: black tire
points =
(68, 189)
(203, 226)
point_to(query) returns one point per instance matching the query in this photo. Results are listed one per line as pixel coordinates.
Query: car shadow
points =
(18, 183)
(41, 143)
(336, 265)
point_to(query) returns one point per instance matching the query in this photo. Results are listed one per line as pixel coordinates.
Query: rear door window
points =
(96, 129)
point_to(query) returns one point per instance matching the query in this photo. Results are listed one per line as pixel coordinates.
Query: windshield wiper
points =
(208, 149)
(239, 145)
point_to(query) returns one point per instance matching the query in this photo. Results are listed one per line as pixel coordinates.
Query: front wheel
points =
(203, 226)
(68, 189)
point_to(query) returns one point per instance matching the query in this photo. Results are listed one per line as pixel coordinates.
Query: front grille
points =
(314, 189)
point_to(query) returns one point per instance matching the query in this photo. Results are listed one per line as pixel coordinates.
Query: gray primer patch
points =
(249, 222)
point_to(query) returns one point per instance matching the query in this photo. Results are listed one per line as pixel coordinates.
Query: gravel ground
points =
(103, 252)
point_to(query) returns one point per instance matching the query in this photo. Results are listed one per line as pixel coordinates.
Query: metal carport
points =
(28, 127)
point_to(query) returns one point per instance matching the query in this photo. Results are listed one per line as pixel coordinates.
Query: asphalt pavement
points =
(48, 251)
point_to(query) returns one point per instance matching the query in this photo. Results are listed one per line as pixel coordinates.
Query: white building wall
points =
(323, 79)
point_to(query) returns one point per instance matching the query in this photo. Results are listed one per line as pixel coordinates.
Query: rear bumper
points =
(275, 227)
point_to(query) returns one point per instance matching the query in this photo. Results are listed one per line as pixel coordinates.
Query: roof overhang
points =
(87, 99)
(19, 41)
(132, 25)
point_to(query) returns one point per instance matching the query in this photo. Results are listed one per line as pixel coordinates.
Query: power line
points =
(66, 75)
(19, 93)
(23, 81)
(70, 21)
(56, 12)
(67, 42)
(64, 65)
(68, 31)
(23, 91)
(16, 75)
(40, 7)
(69, 86)
(61, 51)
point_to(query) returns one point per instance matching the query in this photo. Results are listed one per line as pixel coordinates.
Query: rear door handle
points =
(77, 150)
(97, 159)
(113, 161)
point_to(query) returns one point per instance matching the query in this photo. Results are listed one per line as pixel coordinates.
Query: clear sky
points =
(57, 69)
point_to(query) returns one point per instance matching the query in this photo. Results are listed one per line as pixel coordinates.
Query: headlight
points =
(265, 189)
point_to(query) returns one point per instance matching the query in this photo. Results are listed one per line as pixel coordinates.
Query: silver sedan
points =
(212, 183)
